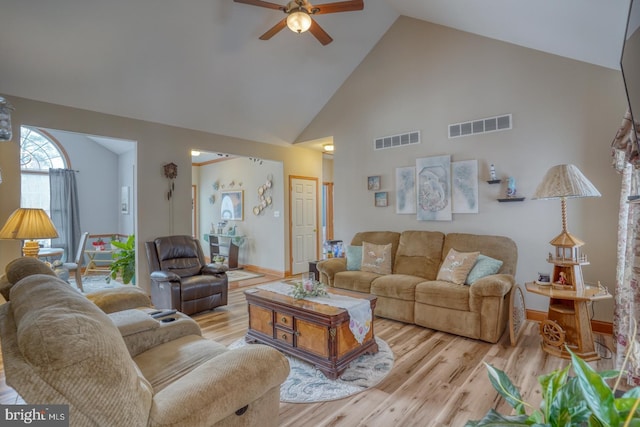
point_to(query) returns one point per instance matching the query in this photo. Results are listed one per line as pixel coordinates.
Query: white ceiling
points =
(199, 64)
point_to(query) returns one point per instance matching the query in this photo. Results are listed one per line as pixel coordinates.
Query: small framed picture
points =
(373, 183)
(381, 198)
(544, 279)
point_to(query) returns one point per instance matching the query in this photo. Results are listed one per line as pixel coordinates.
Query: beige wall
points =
(423, 77)
(157, 145)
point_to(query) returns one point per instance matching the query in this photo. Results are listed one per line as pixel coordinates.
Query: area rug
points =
(235, 275)
(306, 384)
(95, 283)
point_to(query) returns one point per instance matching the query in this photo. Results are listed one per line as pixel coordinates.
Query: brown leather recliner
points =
(180, 277)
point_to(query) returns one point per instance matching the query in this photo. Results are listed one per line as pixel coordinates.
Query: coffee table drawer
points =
(285, 336)
(285, 320)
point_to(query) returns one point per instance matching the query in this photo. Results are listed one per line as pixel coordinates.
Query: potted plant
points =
(98, 244)
(124, 261)
(584, 399)
(114, 238)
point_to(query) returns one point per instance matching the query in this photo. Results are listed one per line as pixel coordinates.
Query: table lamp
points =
(29, 224)
(563, 182)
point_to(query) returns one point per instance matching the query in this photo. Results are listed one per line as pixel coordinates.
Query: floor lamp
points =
(29, 224)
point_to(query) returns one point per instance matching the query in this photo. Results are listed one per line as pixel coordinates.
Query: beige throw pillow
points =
(376, 258)
(456, 266)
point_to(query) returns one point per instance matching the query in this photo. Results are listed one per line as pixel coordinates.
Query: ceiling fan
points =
(299, 13)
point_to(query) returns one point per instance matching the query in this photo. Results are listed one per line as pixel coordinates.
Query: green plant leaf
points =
(551, 383)
(568, 407)
(495, 419)
(505, 387)
(597, 394)
(124, 260)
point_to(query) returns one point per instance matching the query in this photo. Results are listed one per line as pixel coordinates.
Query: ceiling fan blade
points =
(274, 30)
(339, 6)
(319, 33)
(261, 3)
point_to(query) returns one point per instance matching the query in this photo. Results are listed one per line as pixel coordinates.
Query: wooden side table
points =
(568, 322)
(98, 263)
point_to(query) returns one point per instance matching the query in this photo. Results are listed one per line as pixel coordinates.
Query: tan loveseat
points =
(58, 347)
(411, 292)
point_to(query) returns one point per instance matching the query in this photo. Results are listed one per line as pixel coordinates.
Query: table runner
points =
(359, 309)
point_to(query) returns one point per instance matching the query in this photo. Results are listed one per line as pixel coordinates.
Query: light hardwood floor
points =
(437, 379)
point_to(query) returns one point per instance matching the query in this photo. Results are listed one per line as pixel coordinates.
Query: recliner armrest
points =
(214, 269)
(220, 386)
(164, 276)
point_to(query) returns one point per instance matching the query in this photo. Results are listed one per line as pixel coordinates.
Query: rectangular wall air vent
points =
(400, 140)
(474, 127)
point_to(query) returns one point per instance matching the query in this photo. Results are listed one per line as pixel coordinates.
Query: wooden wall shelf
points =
(512, 199)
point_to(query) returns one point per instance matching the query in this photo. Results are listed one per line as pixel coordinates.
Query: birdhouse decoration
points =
(170, 172)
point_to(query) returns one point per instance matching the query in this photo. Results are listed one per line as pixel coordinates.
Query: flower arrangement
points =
(308, 288)
(98, 244)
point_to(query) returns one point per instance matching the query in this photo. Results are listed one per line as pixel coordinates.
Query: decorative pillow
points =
(484, 266)
(354, 257)
(376, 258)
(456, 266)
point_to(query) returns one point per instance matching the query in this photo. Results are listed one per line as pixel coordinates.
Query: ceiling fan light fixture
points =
(299, 21)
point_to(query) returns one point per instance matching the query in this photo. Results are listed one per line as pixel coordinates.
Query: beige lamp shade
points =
(29, 224)
(565, 181)
(562, 182)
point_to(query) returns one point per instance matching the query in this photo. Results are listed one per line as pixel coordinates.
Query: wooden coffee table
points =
(316, 333)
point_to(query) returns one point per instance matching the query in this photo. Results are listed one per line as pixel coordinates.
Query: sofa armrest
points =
(495, 285)
(164, 276)
(219, 387)
(329, 267)
(118, 299)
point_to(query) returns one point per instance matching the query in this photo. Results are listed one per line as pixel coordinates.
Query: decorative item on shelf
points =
(171, 173)
(29, 225)
(221, 226)
(511, 192)
(493, 178)
(511, 187)
(5, 119)
(308, 287)
(98, 244)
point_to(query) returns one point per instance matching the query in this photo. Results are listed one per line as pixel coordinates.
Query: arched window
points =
(38, 153)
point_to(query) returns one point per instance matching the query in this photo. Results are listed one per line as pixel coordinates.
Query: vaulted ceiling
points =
(199, 64)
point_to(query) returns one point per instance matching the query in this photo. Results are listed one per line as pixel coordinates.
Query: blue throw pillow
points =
(354, 257)
(484, 266)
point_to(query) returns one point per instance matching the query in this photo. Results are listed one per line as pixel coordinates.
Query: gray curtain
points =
(65, 213)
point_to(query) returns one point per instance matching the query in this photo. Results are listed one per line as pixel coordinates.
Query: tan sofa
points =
(411, 292)
(59, 348)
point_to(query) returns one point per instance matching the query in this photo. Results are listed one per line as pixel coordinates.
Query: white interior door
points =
(304, 223)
